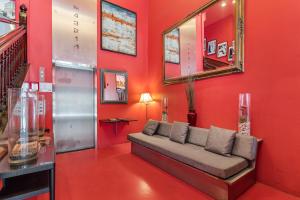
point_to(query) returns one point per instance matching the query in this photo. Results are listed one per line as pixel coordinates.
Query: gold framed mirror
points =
(207, 43)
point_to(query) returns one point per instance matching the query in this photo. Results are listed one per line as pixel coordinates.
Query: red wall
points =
(137, 78)
(39, 44)
(271, 76)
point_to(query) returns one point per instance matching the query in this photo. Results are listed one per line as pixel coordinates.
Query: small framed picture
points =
(204, 44)
(211, 47)
(230, 53)
(114, 87)
(222, 49)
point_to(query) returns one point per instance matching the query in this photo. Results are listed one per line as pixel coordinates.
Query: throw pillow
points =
(164, 129)
(197, 136)
(151, 127)
(179, 132)
(220, 141)
(245, 146)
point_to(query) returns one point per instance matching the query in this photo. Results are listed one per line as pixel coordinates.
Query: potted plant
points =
(190, 95)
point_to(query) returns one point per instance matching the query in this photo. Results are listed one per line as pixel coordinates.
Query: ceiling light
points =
(223, 4)
(233, 1)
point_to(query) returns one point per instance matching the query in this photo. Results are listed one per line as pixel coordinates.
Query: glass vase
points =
(244, 114)
(23, 126)
(42, 114)
(164, 109)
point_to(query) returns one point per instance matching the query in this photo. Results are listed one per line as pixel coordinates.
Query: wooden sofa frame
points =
(217, 188)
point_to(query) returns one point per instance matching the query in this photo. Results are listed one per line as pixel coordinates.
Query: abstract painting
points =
(119, 30)
(172, 46)
(114, 87)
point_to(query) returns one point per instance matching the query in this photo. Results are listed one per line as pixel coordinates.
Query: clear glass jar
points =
(42, 114)
(23, 126)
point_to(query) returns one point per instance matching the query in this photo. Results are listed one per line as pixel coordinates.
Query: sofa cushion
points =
(193, 155)
(179, 132)
(245, 146)
(151, 127)
(220, 140)
(197, 136)
(164, 129)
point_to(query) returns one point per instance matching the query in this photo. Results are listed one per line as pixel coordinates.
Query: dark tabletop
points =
(115, 120)
(45, 161)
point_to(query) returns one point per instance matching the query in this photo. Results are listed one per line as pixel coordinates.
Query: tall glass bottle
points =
(244, 114)
(165, 109)
(42, 114)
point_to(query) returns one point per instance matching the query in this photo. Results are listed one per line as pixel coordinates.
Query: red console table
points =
(116, 121)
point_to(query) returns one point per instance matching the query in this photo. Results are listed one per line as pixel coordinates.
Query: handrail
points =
(13, 62)
(11, 37)
(8, 21)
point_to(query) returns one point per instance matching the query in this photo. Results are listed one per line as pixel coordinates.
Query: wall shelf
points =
(115, 122)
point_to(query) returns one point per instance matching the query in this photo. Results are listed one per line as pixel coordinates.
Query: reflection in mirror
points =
(219, 32)
(113, 86)
(203, 43)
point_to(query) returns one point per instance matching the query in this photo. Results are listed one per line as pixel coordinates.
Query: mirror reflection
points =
(114, 86)
(203, 43)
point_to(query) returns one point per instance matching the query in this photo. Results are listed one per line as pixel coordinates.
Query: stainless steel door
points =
(74, 110)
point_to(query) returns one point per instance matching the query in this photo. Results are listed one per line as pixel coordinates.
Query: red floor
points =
(115, 174)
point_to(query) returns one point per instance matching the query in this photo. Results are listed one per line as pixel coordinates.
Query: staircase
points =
(13, 61)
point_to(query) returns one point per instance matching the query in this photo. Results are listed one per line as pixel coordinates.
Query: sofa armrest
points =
(259, 143)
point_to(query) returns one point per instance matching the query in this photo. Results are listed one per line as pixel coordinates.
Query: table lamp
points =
(146, 99)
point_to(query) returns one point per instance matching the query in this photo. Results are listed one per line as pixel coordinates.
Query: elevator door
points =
(74, 109)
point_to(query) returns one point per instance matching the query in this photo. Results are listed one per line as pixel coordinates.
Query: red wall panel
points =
(271, 76)
(137, 68)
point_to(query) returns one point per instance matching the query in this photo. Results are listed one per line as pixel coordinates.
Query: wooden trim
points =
(215, 187)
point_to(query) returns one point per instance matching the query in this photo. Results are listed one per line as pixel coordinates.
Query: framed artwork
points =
(211, 47)
(7, 9)
(230, 53)
(172, 46)
(204, 44)
(118, 29)
(114, 87)
(222, 49)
